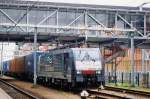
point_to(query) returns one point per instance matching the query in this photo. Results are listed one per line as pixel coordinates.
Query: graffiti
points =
(87, 57)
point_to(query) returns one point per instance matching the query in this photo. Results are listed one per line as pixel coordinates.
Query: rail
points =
(128, 91)
(19, 89)
(109, 94)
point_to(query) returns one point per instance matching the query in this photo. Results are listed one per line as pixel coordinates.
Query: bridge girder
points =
(23, 18)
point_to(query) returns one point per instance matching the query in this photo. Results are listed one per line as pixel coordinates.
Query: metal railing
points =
(124, 79)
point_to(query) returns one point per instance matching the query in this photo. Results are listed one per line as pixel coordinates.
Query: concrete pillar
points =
(143, 50)
(86, 25)
(2, 59)
(132, 62)
(35, 49)
(143, 61)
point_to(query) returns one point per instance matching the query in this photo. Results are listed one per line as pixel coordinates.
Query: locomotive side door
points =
(66, 63)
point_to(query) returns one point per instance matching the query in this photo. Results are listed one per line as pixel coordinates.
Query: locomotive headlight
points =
(98, 71)
(78, 72)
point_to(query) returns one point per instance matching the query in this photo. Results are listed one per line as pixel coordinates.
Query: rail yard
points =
(68, 50)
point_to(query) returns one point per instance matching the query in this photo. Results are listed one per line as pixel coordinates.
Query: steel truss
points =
(80, 21)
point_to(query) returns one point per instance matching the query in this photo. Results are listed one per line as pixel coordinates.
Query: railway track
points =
(128, 91)
(105, 94)
(117, 93)
(15, 92)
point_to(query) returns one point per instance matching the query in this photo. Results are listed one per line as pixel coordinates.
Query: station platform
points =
(4, 95)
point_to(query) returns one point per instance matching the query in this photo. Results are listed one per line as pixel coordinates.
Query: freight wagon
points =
(29, 64)
(17, 66)
(6, 67)
(21, 67)
(14, 67)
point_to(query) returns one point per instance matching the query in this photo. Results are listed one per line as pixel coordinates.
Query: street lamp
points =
(141, 6)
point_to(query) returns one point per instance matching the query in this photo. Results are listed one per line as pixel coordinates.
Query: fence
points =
(124, 78)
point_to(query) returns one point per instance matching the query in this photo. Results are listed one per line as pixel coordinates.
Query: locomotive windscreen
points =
(87, 58)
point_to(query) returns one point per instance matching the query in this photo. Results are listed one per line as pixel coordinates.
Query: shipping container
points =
(6, 66)
(21, 66)
(29, 63)
(17, 66)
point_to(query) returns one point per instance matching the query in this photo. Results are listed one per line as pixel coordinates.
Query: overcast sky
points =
(102, 2)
